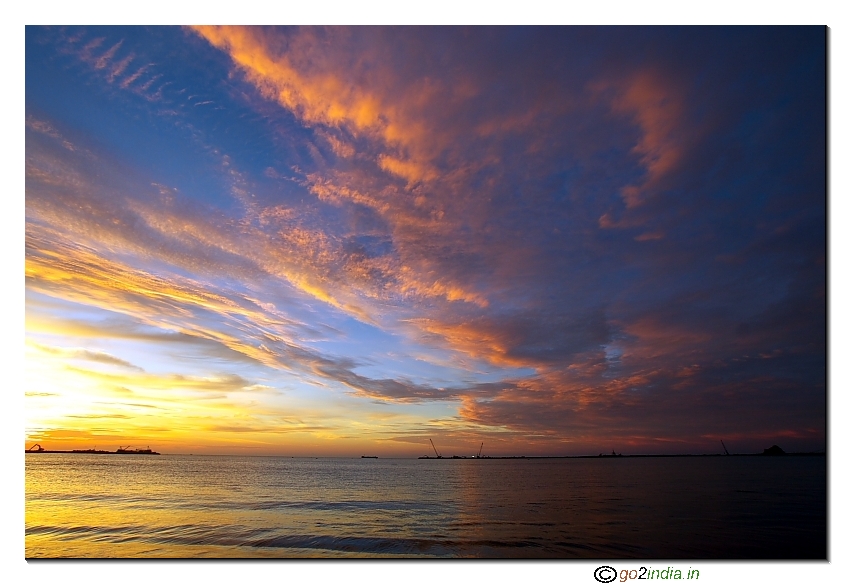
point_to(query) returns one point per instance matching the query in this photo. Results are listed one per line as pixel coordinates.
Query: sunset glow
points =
(337, 241)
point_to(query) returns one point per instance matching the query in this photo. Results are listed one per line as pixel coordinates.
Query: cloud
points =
(81, 354)
(658, 110)
(641, 412)
(104, 56)
(589, 230)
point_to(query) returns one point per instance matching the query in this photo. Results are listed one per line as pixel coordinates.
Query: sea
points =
(193, 506)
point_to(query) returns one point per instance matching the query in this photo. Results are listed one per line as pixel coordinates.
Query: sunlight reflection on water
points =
(223, 506)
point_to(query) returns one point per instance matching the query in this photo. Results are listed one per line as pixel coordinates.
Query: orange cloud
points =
(657, 107)
(300, 79)
(655, 338)
(346, 93)
(658, 110)
(410, 171)
(347, 89)
(652, 236)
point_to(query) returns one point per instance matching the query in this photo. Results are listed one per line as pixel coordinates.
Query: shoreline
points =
(512, 457)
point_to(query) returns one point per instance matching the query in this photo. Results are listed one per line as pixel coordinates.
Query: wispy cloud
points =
(88, 355)
(561, 236)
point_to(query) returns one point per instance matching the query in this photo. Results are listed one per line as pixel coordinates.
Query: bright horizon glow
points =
(343, 242)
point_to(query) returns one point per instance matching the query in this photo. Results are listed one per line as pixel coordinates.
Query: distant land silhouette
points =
(121, 450)
(773, 450)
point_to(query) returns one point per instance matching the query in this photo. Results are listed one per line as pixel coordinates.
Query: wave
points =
(234, 536)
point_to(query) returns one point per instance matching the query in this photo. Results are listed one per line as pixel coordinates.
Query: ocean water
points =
(176, 506)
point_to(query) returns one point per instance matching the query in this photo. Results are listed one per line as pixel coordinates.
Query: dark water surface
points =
(222, 506)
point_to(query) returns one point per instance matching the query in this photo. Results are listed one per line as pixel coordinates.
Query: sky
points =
(348, 241)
